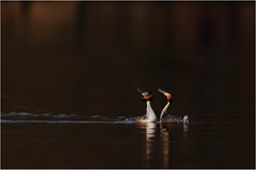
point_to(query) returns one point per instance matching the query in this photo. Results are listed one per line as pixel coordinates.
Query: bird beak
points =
(140, 91)
(161, 91)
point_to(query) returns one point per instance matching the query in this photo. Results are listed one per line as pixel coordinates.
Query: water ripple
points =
(76, 118)
(25, 114)
(67, 121)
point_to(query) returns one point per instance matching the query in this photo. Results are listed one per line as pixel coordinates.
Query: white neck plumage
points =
(165, 109)
(150, 114)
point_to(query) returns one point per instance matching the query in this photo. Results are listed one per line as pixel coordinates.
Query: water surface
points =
(101, 142)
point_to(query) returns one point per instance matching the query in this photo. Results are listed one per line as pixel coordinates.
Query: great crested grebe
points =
(165, 116)
(150, 114)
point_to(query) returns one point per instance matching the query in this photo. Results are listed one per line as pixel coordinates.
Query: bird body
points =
(150, 115)
(165, 116)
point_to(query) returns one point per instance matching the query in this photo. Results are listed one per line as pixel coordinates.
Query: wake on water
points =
(24, 117)
(66, 118)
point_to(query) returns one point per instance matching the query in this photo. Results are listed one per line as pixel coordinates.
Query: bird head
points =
(147, 96)
(169, 96)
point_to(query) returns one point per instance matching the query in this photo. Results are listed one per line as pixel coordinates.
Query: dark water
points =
(69, 78)
(117, 144)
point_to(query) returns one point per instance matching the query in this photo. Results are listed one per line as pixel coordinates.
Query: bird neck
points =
(165, 109)
(150, 114)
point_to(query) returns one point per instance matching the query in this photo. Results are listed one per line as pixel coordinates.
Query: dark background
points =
(91, 56)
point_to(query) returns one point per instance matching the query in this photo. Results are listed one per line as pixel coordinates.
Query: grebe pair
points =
(165, 117)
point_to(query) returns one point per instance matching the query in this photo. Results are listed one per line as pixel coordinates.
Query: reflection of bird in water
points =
(150, 142)
(150, 114)
(149, 153)
(166, 145)
(167, 118)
